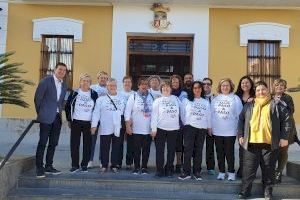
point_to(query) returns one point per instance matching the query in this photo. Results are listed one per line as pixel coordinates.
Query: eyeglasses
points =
(208, 84)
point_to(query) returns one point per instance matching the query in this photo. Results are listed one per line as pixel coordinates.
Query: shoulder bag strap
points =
(112, 102)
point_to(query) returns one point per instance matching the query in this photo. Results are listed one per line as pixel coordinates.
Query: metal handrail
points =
(12, 150)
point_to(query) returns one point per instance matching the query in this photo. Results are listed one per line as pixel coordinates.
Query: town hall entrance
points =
(158, 56)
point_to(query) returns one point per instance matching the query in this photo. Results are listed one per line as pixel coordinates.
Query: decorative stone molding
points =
(57, 26)
(264, 31)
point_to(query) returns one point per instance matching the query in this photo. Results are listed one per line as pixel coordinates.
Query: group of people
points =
(181, 114)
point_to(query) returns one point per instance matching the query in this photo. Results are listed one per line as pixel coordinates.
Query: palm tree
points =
(11, 82)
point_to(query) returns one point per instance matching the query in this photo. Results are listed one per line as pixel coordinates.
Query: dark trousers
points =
(193, 144)
(142, 144)
(105, 142)
(240, 170)
(160, 140)
(130, 149)
(210, 152)
(225, 150)
(122, 136)
(179, 141)
(255, 155)
(78, 127)
(49, 132)
(282, 158)
(93, 145)
(121, 149)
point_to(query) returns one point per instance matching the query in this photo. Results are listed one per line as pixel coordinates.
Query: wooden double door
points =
(158, 56)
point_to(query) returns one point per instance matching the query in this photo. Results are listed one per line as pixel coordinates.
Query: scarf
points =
(176, 92)
(256, 116)
(144, 98)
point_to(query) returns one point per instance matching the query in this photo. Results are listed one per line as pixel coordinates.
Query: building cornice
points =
(270, 6)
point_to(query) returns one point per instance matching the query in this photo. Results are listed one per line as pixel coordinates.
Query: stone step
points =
(115, 194)
(293, 169)
(126, 182)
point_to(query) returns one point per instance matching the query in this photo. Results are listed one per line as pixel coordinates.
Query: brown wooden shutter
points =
(56, 48)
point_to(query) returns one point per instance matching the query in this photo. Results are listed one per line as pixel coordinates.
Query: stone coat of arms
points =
(160, 21)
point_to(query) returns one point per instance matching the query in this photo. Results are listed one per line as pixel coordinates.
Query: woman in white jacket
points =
(108, 111)
(165, 127)
(137, 119)
(225, 109)
(195, 116)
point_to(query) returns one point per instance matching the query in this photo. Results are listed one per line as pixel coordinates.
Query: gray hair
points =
(112, 80)
(156, 77)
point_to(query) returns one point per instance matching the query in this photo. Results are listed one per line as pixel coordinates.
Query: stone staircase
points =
(124, 185)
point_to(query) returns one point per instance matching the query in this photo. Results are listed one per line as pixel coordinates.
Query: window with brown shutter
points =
(57, 48)
(263, 61)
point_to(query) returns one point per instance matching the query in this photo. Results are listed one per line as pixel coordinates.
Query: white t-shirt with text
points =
(196, 113)
(101, 90)
(135, 112)
(83, 106)
(165, 113)
(104, 112)
(225, 114)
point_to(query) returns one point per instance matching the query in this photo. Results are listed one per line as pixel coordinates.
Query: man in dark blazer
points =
(48, 100)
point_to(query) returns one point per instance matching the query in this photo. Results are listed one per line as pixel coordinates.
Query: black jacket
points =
(70, 105)
(288, 102)
(280, 123)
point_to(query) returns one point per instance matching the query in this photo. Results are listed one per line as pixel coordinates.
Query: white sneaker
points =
(231, 176)
(90, 164)
(221, 176)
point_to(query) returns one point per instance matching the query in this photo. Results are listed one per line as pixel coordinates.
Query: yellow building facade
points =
(228, 58)
(91, 54)
(217, 40)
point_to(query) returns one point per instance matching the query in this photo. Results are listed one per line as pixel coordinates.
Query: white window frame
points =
(264, 31)
(57, 26)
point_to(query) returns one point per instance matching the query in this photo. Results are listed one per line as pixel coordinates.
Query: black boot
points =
(278, 177)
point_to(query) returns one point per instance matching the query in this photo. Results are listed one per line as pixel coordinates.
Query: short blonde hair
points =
(280, 81)
(85, 75)
(225, 80)
(100, 73)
